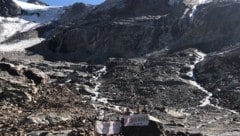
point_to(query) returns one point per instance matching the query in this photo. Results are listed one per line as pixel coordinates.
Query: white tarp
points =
(107, 127)
(136, 120)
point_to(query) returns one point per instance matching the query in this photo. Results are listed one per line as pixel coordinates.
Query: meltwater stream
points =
(102, 102)
(200, 57)
(194, 8)
(99, 102)
(207, 100)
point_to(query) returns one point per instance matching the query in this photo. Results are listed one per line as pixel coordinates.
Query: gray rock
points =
(49, 118)
(36, 75)
(15, 70)
(8, 8)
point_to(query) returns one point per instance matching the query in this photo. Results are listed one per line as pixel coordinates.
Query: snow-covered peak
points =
(30, 6)
(39, 13)
(33, 17)
(44, 16)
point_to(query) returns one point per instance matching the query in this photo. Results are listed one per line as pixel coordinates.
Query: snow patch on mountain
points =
(29, 6)
(21, 45)
(35, 16)
(195, 4)
(40, 13)
(11, 26)
(200, 57)
(209, 96)
(44, 16)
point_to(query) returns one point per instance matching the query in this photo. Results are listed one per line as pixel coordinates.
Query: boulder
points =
(5, 66)
(153, 129)
(85, 90)
(36, 75)
(12, 69)
(47, 118)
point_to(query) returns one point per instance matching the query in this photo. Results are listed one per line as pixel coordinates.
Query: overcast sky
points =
(69, 2)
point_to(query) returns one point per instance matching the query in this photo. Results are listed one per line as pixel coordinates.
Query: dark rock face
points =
(75, 13)
(133, 8)
(130, 31)
(126, 28)
(10, 68)
(153, 129)
(214, 26)
(37, 76)
(96, 44)
(9, 8)
(5, 66)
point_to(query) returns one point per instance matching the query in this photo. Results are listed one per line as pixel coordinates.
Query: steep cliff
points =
(213, 27)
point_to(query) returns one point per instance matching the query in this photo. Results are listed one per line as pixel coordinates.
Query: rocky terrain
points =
(177, 58)
(36, 98)
(46, 97)
(219, 73)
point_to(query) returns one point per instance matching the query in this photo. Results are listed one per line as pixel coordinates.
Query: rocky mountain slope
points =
(128, 31)
(131, 30)
(219, 73)
(63, 66)
(214, 26)
(9, 8)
